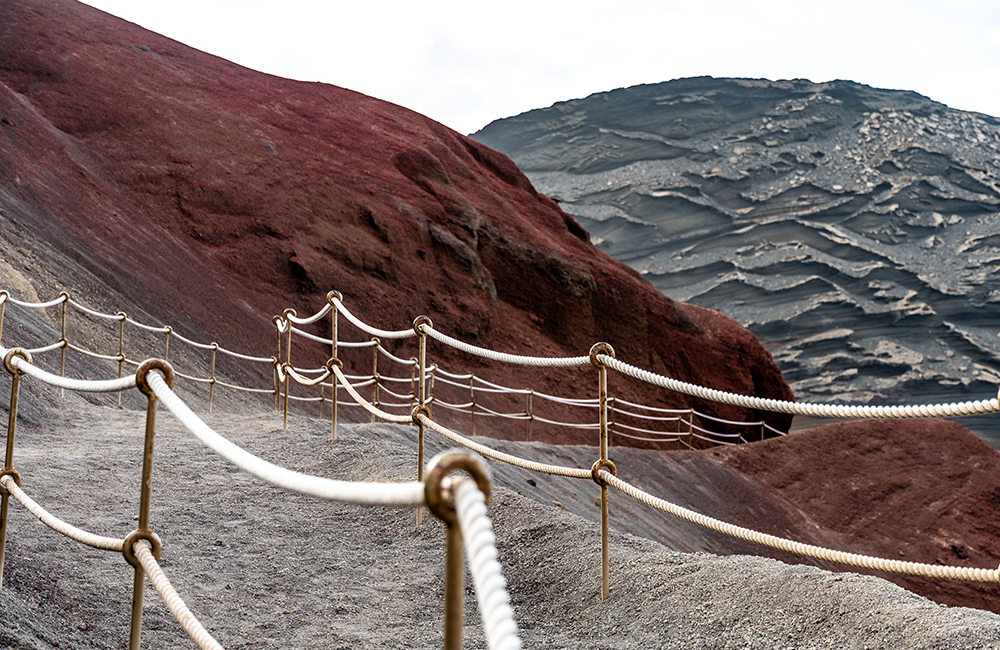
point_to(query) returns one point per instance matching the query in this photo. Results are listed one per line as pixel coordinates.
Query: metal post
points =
(63, 341)
(691, 428)
(143, 532)
(330, 298)
(527, 410)
(121, 349)
(602, 400)
(288, 359)
(472, 401)
(8, 463)
(211, 377)
(421, 398)
(3, 303)
(439, 492)
(277, 360)
(375, 377)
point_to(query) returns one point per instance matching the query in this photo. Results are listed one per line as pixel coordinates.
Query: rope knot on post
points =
(153, 364)
(12, 473)
(420, 321)
(595, 471)
(598, 349)
(8, 360)
(155, 545)
(438, 491)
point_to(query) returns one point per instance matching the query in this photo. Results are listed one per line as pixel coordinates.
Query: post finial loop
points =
(153, 364)
(9, 358)
(600, 348)
(136, 535)
(421, 320)
(334, 295)
(595, 471)
(438, 492)
(12, 473)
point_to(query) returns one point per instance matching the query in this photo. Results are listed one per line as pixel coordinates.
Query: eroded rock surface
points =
(211, 197)
(856, 231)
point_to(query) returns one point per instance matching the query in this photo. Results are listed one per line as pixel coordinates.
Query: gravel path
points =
(264, 568)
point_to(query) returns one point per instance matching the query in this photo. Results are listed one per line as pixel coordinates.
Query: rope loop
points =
(439, 493)
(156, 546)
(598, 349)
(334, 295)
(11, 472)
(595, 471)
(419, 321)
(153, 364)
(334, 361)
(420, 410)
(9, 359)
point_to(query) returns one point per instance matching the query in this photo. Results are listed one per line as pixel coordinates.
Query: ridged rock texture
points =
(855, 231)
(212, 197)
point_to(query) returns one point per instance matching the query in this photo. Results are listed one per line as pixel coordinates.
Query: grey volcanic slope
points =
(856, 231)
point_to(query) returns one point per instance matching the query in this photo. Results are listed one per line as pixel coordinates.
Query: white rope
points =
(393, 357)
(938, 571)
(403, 495)
(187, 620)
(78, 385)
(503, 357)
(36, 305)
(389, 417)
(361, 325)
(977, 407)
(58, 525)
(148, 328)
(87, 310)
(483, 450)
(487, 576)
(309, 319)
(47, 348)
(312, 337)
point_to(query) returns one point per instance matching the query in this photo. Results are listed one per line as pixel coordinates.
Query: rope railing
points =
(603, 472)
(142, 547)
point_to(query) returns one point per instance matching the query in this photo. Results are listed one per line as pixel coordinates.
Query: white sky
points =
(465, 63)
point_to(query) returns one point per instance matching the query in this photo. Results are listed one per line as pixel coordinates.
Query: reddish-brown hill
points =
(213, 197)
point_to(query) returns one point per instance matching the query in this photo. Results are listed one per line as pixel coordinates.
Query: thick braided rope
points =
(487, 576)
(937, 571)
(402, 495)
(483, 450)
(503, 357)
(377, 412)
(78, 385)
(977, 407)
(191, 625)
(374, 331)
(58, 525)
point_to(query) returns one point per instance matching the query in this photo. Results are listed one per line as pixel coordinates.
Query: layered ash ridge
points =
(212, 197)
(856, 231)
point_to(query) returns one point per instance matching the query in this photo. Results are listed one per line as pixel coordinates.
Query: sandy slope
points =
(268, 569)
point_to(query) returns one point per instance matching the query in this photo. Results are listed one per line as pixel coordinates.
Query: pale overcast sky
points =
(466, 63)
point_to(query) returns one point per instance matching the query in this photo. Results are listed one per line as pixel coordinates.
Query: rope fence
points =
(461, 505)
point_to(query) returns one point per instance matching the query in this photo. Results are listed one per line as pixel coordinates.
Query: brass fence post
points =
(602, 400)
(421, 398)
(143, 531)
(121, 348)
(691, 428)
(472, 401)
(527, 410)
(440, 496)
(330, 297)
(63, 340)
(276, 361)
(375, 376)
(211, 377)
(8, 463)
(288, 359)
(3, 303)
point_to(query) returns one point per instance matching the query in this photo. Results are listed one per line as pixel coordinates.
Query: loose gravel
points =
(268, 569)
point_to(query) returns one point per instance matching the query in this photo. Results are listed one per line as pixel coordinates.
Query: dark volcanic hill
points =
(856, 231)
(153, 177)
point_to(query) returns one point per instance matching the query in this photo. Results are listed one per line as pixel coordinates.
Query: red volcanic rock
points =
(213, 197)
(914, 490)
